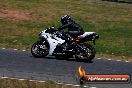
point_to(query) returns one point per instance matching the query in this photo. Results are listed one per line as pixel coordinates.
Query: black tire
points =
(93, 52)
(44, 52)
(90, 54)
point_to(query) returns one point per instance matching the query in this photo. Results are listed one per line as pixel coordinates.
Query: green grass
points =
(13, 83)
(113, 22)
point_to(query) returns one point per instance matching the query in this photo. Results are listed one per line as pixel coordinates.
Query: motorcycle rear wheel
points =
(89, 54)
(40, 49)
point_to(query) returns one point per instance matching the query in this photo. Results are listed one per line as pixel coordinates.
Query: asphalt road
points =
(21, 64)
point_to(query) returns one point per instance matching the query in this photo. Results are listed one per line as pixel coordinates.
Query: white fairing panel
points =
(86, 33)
(53, 41)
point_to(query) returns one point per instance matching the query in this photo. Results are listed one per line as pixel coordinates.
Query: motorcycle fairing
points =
(53, 41)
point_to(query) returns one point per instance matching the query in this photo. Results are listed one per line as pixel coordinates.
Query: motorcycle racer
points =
(60, 43)
(74, 29)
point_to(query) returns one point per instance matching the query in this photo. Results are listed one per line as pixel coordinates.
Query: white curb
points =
(3, 48)
(99, 58)
(68, 84)
(15, 49)
(109, 59)
(23, 50)
(118, 60)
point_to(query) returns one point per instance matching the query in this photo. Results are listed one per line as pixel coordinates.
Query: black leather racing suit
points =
(74, 29)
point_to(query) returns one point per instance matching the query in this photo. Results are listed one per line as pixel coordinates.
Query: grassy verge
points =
(13, 83)
(112, 21)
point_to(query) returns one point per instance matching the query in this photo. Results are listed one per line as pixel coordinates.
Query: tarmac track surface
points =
(21, 64)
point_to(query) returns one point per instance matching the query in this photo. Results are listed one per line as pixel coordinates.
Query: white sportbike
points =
(55, 43)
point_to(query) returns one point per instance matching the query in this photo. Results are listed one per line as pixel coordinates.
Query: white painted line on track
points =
(68, 84)
(92, 87)
(23, 50)
(3, 48)
(32, 80)
(118, 60)
(21, 79)
(99, 58)
(15, 49)
(76, 85)
(13, 78)
(109, 59)
(59, 83)
(127, 61)
(113, 60)
(41, 81)
(45, 81)
(85, 86)
(4, 77)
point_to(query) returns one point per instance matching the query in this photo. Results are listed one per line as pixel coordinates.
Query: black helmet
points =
(65, 19)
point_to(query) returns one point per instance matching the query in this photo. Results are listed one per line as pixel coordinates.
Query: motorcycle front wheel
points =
(40, 49)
